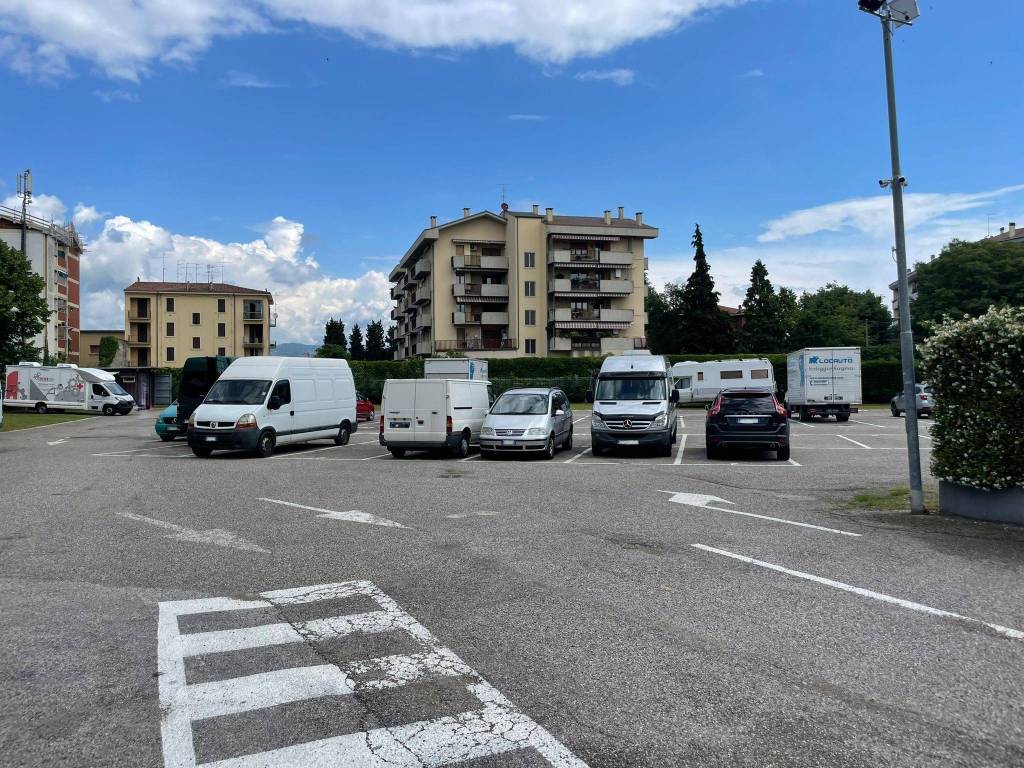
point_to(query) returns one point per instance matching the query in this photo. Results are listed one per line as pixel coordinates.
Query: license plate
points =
(629, 442)
(211, 439)
(508, 442)
(749, 421)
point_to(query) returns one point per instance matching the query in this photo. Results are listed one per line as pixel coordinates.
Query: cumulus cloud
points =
(84, 215)
(620, 77)
(124, 38)
(42, 206)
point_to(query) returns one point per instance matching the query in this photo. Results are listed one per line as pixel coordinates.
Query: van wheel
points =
(666, 449)
(461, 450)
(343, 434)
(41, 408)
(398, 453)
(567, 445)
(202, 451)
(804, 414)
(265, 444)
(782, 454)
(841, 417)
(596, 450)
(108, 410)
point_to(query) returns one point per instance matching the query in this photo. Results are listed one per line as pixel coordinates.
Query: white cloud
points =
(528, 118)
(124, 37)
(873, 215)
(752, 73)
(236, 79)
(118, 94)
(620, 77)
(43, 206)
(84, 215)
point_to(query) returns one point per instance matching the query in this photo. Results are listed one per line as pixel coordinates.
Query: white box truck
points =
(64, 387)
(455, 368)
(701, 382)
(823, 381)
(432, 414)
(634, 404)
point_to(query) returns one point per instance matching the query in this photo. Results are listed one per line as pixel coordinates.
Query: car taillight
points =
(448, 424)
(714, 409)
(780, 409)
(382, 423)
(924, 397)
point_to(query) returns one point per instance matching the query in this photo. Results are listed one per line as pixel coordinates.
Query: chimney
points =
(1013, 228)
(536, 208)
(549, 215)
(622, 212)
(465, 213)
(607, 217)
(433, 222)
(639, 218)
(1001, 230)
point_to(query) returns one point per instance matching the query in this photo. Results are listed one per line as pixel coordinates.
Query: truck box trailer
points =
(455, 368)
(824, 381)
(64, 387)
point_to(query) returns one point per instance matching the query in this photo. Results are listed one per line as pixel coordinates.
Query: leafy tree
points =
(23, 312)
(703, 327)
(789, 310)
(762, 330)
(836, 315)
(355, 343)
(390, 349)
(332, 350)
(968, 278)
(375, 343)
(108, 350)
(334, 334)
(659, 338)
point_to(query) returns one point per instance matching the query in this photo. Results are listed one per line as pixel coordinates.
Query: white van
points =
(633, 404)
(64, 387)
(428, 414)
(262, 402)
(701, 382)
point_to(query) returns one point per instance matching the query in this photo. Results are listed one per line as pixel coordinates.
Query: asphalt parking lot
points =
(336, 606)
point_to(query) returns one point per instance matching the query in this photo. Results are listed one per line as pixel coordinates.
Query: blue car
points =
(167, 426)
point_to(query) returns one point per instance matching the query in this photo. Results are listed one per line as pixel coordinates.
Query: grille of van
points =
(634, 425)
(215, 424)
(509, 432)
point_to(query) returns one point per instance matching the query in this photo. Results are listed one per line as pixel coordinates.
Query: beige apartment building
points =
(166, 323)
(523, 283)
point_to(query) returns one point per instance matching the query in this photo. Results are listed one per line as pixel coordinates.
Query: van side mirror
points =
(590, 395)
(274, 403)
(674, 397)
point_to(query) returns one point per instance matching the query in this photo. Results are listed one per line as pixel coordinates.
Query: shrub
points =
(975, 367)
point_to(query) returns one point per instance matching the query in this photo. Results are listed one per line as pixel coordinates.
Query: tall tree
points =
(375, 344)
(355, 343)
(659, 337)
(705, 328)
(836, 315)
(23, 312)
(762, 329)
(334, 334)
(789, 310)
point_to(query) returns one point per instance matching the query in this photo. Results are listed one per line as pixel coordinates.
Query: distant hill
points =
(294, 349)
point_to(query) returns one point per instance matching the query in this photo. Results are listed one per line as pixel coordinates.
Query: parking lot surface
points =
(337, 606)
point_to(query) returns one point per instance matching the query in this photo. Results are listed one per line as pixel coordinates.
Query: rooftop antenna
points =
(504, 190)
(25, 192)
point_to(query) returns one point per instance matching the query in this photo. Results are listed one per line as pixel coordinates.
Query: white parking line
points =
(315, 450)
(869, 423)
(866, 447)
(581, 418)
(701, 502)
(216, 536)
(130, 451)
(351, 516)
(570, 461)
(470, 458)
(680, 449)
(1014, 633)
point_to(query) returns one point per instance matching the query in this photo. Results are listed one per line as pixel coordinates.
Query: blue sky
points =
(305, 143)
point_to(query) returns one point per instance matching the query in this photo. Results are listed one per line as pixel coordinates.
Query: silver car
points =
(522, 420)
(924, 400)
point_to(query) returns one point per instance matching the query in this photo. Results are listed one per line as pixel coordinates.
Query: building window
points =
(530, 317)
(221, 351)
(195, 318)
(529, 259)
(196, 342)
(170, 329)
(530, 288)
(531, 346)
(222, 330)
(169, 304)
(222, 305)
(170, 354)
(94, 349)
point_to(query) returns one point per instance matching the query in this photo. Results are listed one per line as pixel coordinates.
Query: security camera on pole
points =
(897, 13)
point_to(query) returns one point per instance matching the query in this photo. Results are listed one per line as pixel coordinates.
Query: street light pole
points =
(885, 14)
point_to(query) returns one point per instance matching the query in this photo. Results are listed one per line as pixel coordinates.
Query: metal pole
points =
(24, 214)
(906, 333)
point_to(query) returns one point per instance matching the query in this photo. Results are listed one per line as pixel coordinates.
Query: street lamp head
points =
(900, 12)
(871, 6)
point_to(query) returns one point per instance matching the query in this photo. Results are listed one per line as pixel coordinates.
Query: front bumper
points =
(609, 438)
(224, 439)
(124, 408)
(514, 444)
(163, 428)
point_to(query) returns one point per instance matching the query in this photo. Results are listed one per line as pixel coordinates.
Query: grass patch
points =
(894, 499)
(18, 420)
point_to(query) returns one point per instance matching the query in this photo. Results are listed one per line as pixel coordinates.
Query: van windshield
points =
(520, 405)
(631, 389)
(238, 392)
(114, 388)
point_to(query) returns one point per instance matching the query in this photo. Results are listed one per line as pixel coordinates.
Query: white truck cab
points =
(633, 403)
(432, 414)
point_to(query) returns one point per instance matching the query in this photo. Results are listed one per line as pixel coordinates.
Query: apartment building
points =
(523, 283)
(166, 323)
(55, 252)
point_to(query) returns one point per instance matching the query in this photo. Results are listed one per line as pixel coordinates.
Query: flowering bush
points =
(976, 369)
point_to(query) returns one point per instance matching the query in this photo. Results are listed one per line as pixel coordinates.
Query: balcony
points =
(137, 315)
(564, 344)
(421, 267)
(475, 262)
(475, 345)
(566, 315)
(423, 323)
(479, 318)
(622, 344)
(480, 292)
(591, 257)
(139, 340)
(252, 316)
(591, 285)
(422, 295)
(253, 343)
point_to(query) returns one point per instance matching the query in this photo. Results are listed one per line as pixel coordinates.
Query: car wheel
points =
(782, 454)
(108, 410)
(398, 453)
(549, 450)
(567, 445)
(461, 450)
(265, 444)
(895, 411)
(202, 451)
(167, 438)
(342, 437)
(674, 437)
(841, 417)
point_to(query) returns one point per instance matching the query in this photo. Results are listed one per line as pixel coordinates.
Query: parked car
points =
(167, 426)
(364, 408)
(752, 418)
(432, 414)
(536, 420)
(924, 400)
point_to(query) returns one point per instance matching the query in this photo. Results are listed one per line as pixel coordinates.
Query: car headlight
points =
(536, 431)
(248, 421)
(660, 420)
(486, 430)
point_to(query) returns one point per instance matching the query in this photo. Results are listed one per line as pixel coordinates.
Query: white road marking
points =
(581, 453)
(866, 447)
(55, 424)
(496, 727)
(870, 423)
(131, 451)
(216, 536)
(1013, 633)
(680, 449)
(581, 418)
(315, 450)
(351, 516)
(794, 463)
(704, 501)
(57, 442)
(461, 515)
(470, 458)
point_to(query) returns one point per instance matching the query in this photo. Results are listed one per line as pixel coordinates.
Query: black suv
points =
(747, 417)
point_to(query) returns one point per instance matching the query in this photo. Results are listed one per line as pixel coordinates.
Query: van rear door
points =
(431, 411)
(399, 409)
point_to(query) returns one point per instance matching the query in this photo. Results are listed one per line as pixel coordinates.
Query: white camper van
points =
(455, 368)
(701, 382)
(64, 387)
(430, 414)
(633, 403)
(262, 402)
(823, 381)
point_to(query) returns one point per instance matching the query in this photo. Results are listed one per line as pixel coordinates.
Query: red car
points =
(364, 407)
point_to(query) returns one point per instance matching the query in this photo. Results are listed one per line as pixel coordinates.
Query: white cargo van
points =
(455, 368)
(262, 402)
(64, 387)
(823, 381)
(430, 414)
(633, 403)
(701, 382)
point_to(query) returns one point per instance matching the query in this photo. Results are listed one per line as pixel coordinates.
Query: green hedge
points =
(975, 367)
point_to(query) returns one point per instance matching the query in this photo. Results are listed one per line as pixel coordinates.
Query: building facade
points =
(166, 323)
(522, 284)
(55, 253)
